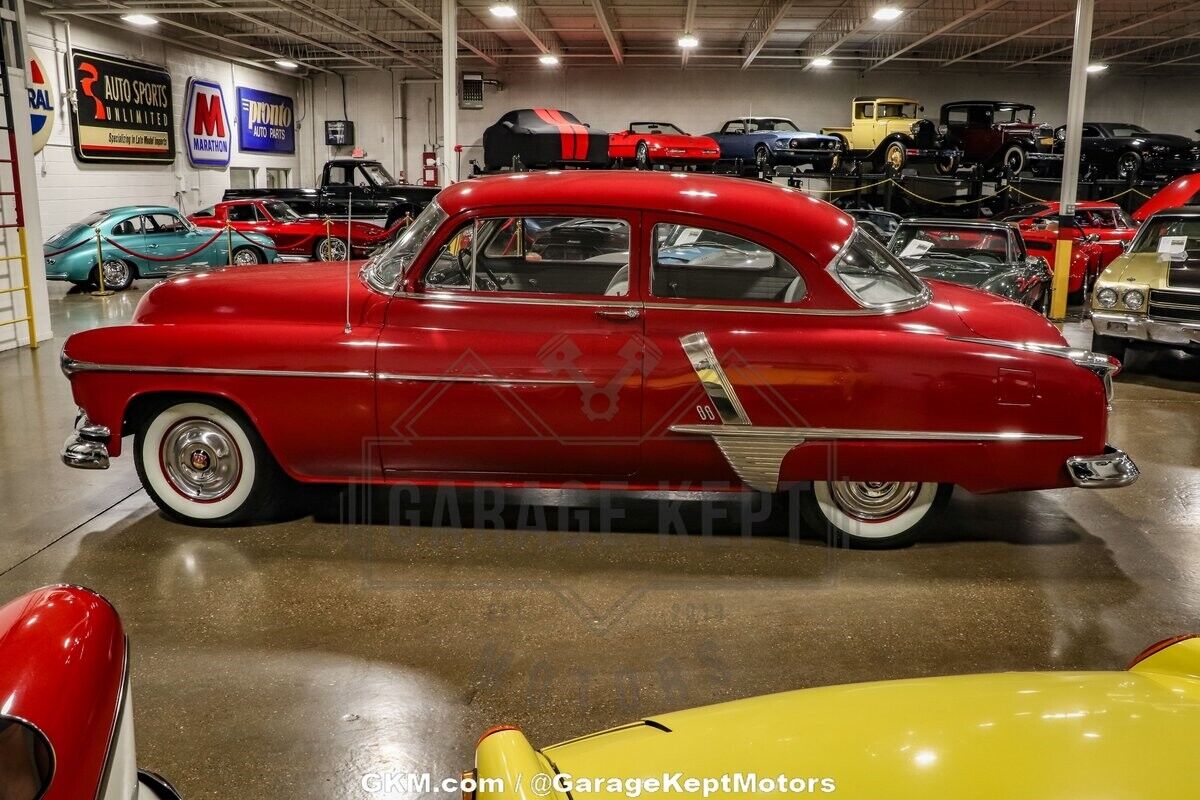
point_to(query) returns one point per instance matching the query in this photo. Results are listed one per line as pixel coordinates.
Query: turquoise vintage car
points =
(145, 242)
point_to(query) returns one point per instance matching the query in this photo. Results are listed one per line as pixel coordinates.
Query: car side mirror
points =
(920, 109)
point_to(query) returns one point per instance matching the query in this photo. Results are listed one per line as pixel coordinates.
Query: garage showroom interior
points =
(579, 399)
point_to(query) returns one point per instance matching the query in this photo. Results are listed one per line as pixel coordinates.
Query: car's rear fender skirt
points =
(505, 756)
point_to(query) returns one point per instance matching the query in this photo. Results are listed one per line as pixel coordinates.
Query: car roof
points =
(865, 98)
(142, 210)
(812, 224)
(941, 222)
(989, 103)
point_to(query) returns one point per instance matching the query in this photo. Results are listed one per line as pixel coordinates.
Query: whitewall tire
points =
(872, 515)
(205, 465)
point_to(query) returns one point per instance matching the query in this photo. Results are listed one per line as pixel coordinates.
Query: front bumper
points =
(808, 156)
(932, 153)
(1111, 470)
(87, 447)
(1139, 327)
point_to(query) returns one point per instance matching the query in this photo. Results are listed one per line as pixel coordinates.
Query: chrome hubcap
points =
(895, 156)
(201, 460)
(246, 256)
(116, 273)
(872, 501)
(333, 250)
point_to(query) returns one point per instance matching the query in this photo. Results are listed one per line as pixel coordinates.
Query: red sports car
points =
(641, 330)
(297, 238)
(1106, 223)
(649, 143)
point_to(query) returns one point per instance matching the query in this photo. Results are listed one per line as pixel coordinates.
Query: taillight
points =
(1158, 647)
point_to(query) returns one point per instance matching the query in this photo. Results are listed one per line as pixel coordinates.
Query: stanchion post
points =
(102, 291)
(228, 243)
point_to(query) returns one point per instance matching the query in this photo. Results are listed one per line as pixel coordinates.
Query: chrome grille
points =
(1174, 306)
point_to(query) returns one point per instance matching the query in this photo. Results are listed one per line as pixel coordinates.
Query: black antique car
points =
(875, 221)
(995, 134)
(540, 138)
(986, 255)
(1122, 150)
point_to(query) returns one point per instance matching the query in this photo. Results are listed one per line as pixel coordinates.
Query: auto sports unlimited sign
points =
(125, 111)
(206, 131)
(266, 122)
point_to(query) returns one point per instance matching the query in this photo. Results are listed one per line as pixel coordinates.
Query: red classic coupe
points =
(638, 330)
(1103, 223)
(646, 144)
(297, 238)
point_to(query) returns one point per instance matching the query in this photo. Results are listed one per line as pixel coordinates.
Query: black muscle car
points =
(1121, 150)
(540, 138)
(986, 255)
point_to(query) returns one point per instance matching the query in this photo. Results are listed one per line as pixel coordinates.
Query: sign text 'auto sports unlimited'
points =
(125, 111)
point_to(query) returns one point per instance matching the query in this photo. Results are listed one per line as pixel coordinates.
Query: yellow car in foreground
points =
(1010, 736)
(1150, 294)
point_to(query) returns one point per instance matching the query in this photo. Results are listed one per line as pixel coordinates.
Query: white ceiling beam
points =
(1009, 38)
(764, 25)
(1130, 23)
(689, 22)
(951, 25)
(472, 37)
(607, 23)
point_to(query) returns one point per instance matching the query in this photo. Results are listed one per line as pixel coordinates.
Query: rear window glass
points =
(26, 763)
(872, 275)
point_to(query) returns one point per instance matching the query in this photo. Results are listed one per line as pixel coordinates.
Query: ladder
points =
(9, 159)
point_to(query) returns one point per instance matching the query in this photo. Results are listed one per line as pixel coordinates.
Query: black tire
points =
(825, 513)
(1113, 346)
(1129, 163)
(762, 158)
(946, 165)
(894, 156)
(331, 248)
(257, 487)
(247, 255)
(119, 275)
(641, 156)
(1014, 159)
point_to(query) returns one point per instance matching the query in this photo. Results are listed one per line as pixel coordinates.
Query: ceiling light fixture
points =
(140, 20)
(887, 13)
(548, 59)
(688, 41)
(503, 10)
(821, 61)
(286, 63)
(1097, 67)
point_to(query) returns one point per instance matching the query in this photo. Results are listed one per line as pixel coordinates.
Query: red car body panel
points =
(438, 386)
(1183, 191)
(298, 237)
(664, 147)
(62, 666)
(1087, 259)
(1112, 239)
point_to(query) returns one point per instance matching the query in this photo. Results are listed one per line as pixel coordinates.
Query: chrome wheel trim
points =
(643, 156)
(873, 501)
(333, 249)
(895, 155)
(200, 460)
(760, 156)
(116, 273)
(1126, 164)
(244, 256)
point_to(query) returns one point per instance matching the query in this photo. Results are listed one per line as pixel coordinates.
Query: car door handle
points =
(151, 246)
(618, 313)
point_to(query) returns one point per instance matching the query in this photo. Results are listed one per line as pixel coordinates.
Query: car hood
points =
(307, 293)
(1148, 270)
(1178, 192)
(1054, 736)
(680, 140)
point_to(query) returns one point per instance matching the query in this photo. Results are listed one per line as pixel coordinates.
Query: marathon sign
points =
(124, 113)
(207, 135)
(266, 122)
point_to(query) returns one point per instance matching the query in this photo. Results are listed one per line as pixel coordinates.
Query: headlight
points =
(915, 128)
(1106, 297)
(1134, 299)
(943, 130)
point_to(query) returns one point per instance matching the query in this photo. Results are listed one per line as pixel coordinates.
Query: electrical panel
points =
(339, 133)
(470, 94)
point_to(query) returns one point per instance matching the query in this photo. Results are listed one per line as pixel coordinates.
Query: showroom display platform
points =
(303, 653)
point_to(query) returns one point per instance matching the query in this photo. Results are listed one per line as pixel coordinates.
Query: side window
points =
(704, 264)
(243, 212)
(1091, 130)
(956, 116)
(863, 111)
(734, 126)
(164, 224)
(128, 227)
(339, 176)
(361, 179)
(538, 255)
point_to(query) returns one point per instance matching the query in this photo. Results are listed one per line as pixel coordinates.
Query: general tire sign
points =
(125, 111)
(206, 131)
(266, 122)
(40, 89)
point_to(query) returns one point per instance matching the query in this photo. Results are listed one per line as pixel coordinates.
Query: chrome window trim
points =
(601, 301)
(396, 377)
(881, 434)
(920, 300)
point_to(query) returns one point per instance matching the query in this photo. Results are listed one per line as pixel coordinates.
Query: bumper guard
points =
(1109, 471)
(87, 447)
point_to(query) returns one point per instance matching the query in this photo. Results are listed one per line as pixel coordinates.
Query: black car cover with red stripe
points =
(543, 137)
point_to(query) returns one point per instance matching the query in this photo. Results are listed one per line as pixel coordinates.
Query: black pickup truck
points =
(350, 186)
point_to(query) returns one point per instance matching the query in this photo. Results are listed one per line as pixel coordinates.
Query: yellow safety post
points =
(1061, 284)
(101, 292)
(325, 244)
(229, 242)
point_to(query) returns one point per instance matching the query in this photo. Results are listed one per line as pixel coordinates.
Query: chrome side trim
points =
(601, 301)
(859, 434)
(713, 379)
(70, 366)
(1111, 470)
(785, 310)
(495, 379)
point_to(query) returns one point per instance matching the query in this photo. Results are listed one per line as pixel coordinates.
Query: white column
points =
(449, 91)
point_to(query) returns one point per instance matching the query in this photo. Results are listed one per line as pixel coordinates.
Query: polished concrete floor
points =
(288, 659)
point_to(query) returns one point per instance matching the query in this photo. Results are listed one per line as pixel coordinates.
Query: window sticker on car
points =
(687, 236)
(1172, 248)
(915, 248)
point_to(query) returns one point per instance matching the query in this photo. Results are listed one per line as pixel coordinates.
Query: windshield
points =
(872, 275)
(386, 269)
(783, 125)
(654, 127)
(916, 246)
(1021, 212)
(1173, 238)
(1127, 130)
(378, 175)
(280, 210)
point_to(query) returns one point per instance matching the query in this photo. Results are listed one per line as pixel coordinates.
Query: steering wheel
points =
(488, 284)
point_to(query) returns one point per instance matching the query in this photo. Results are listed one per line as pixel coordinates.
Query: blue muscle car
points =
(145, 242)
(770, 141)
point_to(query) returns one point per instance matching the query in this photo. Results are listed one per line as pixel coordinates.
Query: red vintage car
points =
(1087, 255)
(638, 330)
(1102, 223)
(66, 723)
(297, 238)
(647, 144)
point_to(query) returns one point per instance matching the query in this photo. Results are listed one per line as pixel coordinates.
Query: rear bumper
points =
(1111, 470)
(1140, 328)
(87, 447)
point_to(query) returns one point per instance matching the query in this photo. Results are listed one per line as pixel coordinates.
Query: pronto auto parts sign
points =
(124, 111)
(206, 132)
(41, 102)
(266, 122)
